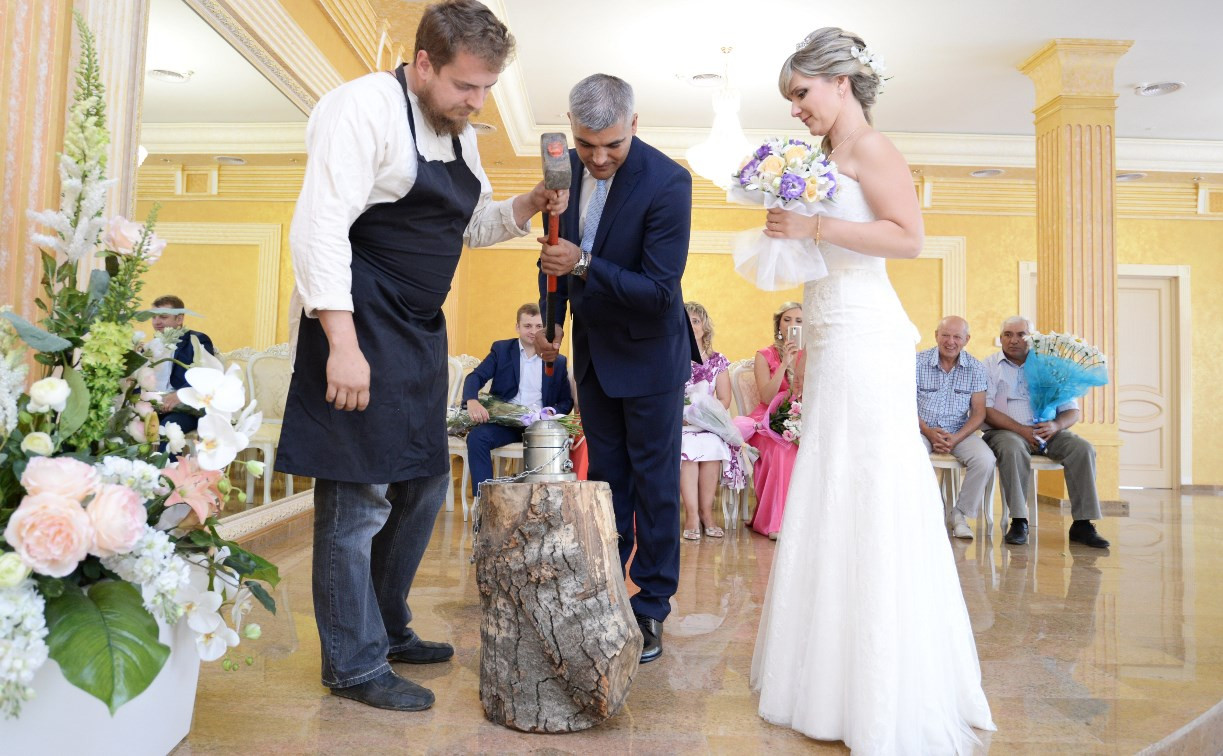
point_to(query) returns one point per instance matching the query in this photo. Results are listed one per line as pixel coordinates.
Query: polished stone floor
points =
(1081, 651)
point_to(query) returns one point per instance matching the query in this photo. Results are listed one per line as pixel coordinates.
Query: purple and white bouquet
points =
(792, 175)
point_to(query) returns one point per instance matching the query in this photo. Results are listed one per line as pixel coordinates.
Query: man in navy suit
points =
(622, 253)
(517, 373)
(172, 376)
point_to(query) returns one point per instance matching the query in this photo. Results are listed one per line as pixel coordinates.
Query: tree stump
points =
(559, 643)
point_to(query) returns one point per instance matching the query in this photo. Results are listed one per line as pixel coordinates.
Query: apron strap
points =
(407, 102)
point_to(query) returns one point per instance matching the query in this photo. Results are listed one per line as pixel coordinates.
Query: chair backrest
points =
(240, 357)
(268, 374)
(459, 367)
(743, 386)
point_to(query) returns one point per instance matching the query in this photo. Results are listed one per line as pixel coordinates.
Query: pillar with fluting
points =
(1076, 102)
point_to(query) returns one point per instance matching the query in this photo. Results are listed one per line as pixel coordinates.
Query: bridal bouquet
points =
(785, 417)
(511, 415)
(99, 526)
(796, 177)
(1060, 367)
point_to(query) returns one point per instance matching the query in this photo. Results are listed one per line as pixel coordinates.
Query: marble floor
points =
(1081, 651)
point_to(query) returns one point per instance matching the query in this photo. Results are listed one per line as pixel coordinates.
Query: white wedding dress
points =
(864, 636)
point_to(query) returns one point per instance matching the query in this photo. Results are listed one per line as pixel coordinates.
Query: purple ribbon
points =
(544, 413)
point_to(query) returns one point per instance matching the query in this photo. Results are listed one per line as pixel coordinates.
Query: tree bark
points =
(559, 643)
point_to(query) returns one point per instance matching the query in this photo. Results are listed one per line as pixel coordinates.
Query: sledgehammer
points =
(557, 175)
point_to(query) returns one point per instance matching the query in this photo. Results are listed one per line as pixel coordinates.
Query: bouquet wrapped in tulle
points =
(796, 177)
(704, 411)
(511, 415)
(1060, 367)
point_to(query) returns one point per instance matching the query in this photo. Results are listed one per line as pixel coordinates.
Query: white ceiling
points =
(225, 88)
(953, 62)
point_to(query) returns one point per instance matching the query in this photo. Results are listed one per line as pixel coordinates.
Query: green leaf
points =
(105, 642)
(251, 565)
(35, 336)
(50, 587)
(76, 409)
(146, 314)
(99, 282)
(259, 592)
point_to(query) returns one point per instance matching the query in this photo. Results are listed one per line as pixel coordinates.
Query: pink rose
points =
(51, 533)
(123, 236)
(118, 518)
(62, 476)
(143, 409)
(135, 429)
(147, 378)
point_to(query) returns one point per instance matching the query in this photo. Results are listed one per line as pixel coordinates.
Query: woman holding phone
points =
(778, 370)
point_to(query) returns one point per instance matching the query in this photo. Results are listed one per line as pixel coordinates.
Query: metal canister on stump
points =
(545, 451)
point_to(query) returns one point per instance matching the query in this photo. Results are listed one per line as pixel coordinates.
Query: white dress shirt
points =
(1007, 390)
(360, 154)
(530, 379)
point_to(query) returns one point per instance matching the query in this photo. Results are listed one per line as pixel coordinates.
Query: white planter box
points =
(63, 719)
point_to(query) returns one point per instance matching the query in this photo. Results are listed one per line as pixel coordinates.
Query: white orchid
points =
(213, 645)
(202, 609)
(249, 421)
(212, 390)
(219, 443)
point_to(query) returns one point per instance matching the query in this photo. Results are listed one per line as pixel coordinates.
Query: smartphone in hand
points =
(795, 336)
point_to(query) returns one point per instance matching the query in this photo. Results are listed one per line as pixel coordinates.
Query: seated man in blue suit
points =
(517, 373)
(171, 376)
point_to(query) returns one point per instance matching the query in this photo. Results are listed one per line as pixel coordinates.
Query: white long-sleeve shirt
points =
(360, 154)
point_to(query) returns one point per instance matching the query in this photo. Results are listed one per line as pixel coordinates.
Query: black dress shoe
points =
(1082, 531)
(388, 691)
(651, 632)
(1017, 534)
(422, 652)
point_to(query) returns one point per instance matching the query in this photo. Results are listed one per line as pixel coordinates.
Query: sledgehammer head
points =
(555, 152)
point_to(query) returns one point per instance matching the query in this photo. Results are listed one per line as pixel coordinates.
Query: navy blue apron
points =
(404, 255)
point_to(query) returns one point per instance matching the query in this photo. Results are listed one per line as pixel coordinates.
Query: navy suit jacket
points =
(501, 365)
(185, 353)
(629, 323)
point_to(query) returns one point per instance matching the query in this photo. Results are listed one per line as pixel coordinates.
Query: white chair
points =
(268, 374)
(1039, 462)
(459, 367)
(950, 472)
(746, 398)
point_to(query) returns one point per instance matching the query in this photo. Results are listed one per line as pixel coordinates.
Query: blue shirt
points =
(944, 399)
(1008, 390)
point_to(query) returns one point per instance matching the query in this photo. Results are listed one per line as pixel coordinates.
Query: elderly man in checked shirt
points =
(951, 387)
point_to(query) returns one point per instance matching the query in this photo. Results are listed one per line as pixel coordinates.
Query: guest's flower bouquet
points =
(1060, 367)
(796, 177)
(703, 410)
(99, 526)
(786, 417)
(511, 415)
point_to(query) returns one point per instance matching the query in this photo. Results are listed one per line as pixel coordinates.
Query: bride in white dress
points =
(864, 636)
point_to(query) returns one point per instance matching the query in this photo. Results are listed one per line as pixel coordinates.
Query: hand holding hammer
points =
(557, 175)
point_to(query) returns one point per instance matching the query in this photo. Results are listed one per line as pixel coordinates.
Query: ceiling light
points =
(229, 160)
(1131, 176)
(1158, 88)
(705, 80)
(723, 150)
(170, 75)
(987, 173)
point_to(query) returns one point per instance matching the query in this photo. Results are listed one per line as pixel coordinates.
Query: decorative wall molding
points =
(223, 138)
(265, 236)
(267, 36)
(268, 183)
(365, 32)
(242, 525)
(952, 252)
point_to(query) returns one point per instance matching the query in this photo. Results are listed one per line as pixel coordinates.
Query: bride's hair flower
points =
(870, 59)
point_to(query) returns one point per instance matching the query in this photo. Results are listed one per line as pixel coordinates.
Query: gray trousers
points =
(977, 457)
(1076, 455)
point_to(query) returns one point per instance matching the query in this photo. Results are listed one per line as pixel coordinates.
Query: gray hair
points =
(826, 52)
(1015, 320)
(601, 101)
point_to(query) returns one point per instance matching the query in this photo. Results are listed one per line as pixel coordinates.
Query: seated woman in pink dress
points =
(775, 366)
(703, 454)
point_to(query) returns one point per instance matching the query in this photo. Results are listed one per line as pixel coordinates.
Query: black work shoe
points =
(1017, 534)
(651, 632)
(422, 652)
(1082, 531)
(388, 691)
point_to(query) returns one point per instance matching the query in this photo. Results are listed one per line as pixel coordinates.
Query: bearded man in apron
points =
(393, 189)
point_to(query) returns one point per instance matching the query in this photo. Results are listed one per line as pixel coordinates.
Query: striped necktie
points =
(593, 213)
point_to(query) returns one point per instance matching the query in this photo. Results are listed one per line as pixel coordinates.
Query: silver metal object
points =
(545, 453)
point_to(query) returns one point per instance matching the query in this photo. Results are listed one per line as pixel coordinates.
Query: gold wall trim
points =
(366, 33)
(952, 252)
(269, 183)
(265, 236)
(267, 36)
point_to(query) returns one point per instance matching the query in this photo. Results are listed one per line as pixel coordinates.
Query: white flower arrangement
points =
(870, 59)
(23, 647)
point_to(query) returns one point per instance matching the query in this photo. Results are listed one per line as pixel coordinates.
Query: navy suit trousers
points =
(635, 447)
(481, 440)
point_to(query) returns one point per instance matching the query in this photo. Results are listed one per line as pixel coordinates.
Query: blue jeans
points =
(368, 542)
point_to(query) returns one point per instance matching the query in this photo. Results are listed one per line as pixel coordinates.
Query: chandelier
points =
(720, 154)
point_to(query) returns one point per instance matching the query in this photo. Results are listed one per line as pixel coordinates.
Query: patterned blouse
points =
(709, 370)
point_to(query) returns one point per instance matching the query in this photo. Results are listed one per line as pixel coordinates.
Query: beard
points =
(445, 124)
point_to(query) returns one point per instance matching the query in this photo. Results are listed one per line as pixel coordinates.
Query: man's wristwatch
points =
(579, 270)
